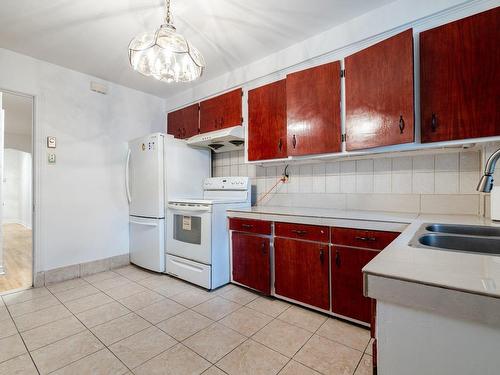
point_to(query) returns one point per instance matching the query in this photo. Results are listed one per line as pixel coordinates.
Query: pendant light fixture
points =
(165, 54)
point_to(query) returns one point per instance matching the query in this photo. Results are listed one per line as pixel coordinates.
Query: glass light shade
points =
(166, 56)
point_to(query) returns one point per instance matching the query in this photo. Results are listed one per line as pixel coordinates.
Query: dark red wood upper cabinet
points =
(460, 78)
(302, 271)
(251, 261)
(313, 110)
(379, 94)
(223, 111)
(183, 123)
(347, 282)
(267, 122)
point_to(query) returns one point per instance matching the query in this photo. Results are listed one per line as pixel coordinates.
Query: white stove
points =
(197, 233)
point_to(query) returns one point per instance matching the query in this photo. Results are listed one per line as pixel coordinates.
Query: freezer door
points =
(144, 177)
(147, 243)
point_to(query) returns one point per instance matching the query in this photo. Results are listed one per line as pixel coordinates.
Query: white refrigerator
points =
(159, 168)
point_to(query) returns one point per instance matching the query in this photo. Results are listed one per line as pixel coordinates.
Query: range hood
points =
(229, 139)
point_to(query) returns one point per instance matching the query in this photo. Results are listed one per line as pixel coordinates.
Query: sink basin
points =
(482, 245)
(468, 230)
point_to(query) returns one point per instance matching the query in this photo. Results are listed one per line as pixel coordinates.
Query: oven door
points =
(189, 228)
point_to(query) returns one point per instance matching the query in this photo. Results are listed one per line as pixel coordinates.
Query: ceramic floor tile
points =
(174, 288)
(100, 276)
(217, 308)
(365, 366)
(32, 305)
(66, 285)
(214, 371)
(125, 290)
(345, 333)
(76, 293)
(120, 328)
(22, 365)
(51, 332)
(110, 283)
(269, 306)
(328, 357)
(224, 289)
(63, 352)
(102, 314)
(296, 368)
(87, 303)
(192, 298)
(159, 281)
(214, 342)
(4, 313)
(141, 347)
(283, 337)
(101, 362)
(160, 311)
(185, 324)
(178, 360)
(239, 295)
(252, 358)
(39, 318)
(303, 318)
(133, 273)
(246, 321)
(7, 328)
(369, 348)
(11, 347)
(141, 300)
(25, 295)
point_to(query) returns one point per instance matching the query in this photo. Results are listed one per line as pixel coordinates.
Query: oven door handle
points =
(174, 207)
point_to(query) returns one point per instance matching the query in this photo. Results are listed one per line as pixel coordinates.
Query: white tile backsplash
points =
(431, 182)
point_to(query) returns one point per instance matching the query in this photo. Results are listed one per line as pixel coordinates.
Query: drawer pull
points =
(299, 232)
(263, 247)
(322, 256)
(247, 226)
(359, 238)
(337, 259)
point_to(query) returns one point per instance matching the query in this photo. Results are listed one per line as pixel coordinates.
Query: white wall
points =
(82, 212)
(20, 142)
(17, 187)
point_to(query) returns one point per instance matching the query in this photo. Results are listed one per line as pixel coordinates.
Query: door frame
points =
(35, 184)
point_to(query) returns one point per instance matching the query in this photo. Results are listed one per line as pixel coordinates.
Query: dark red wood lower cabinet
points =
(347, 282)
(301, 271)
(251, 261)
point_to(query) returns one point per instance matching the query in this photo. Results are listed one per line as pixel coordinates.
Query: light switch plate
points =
(51, 142)
(52, 158)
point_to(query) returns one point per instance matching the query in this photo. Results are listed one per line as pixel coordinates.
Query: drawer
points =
(250, 226)
(302, 231)
(370, 239)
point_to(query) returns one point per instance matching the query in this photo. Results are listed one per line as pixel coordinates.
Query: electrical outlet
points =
(52, 158)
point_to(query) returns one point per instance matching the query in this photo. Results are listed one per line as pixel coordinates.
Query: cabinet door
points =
(460, 78)
(223, 111)
(379, 94)
(251, 261)
(347, 282)
(301, 271)
(267, 122)
(313, 110)
(183, 123)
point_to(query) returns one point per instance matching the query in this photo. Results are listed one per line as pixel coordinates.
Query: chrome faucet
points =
(486, 182)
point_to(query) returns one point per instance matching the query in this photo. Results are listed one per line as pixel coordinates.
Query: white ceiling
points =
(92, 36)
(17, 114)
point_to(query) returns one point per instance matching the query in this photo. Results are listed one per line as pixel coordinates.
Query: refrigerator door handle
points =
(143, 223)
(127, 177)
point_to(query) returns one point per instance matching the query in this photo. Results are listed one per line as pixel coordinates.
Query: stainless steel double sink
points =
(463, 238)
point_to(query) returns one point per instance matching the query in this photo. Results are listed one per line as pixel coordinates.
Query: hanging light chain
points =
(168, 14)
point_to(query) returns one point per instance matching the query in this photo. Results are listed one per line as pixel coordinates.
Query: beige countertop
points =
(467, 272)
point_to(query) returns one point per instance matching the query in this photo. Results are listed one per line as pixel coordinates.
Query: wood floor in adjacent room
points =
(17, 256)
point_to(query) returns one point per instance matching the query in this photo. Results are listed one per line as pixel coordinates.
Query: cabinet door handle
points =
(337, 259)
(263, 247)
(359, 238)
(280, 144)
(434, 122)
(294, 141)
(247, 225)
(401, 124)
(322, 256)
(299, 232)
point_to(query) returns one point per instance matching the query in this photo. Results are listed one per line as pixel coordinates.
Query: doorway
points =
(16, 194)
